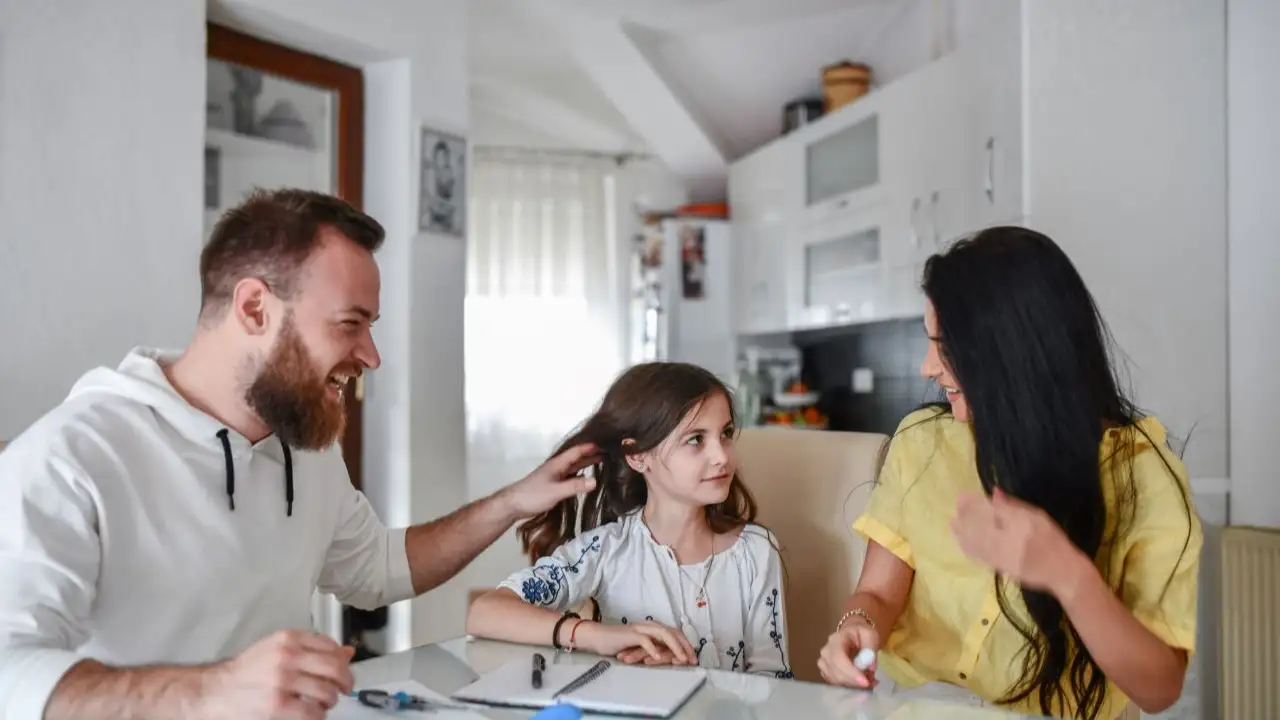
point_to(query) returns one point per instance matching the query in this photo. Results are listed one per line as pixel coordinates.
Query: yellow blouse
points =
(951, 629)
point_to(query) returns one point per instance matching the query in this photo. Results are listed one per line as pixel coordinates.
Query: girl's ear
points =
(635, 461)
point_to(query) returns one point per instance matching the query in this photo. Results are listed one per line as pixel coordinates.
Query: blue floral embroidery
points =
(772, 603)
(549, 578)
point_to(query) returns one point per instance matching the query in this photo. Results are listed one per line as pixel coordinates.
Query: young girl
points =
(666, 547)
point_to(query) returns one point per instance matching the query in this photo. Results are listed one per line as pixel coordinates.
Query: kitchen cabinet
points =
(764, 201)
(991, 59)
(842, 162)
(925, 176)
(1025, 106)
(837, 270)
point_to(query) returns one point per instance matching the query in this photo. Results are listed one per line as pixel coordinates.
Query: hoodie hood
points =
(140, 378)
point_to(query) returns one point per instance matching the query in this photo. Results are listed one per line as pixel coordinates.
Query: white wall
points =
(100, 189)
(1127, 172)
(1253, 207)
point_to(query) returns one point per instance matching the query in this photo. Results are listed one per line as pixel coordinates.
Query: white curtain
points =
(545, 325)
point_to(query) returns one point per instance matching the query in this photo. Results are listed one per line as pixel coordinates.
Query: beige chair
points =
(810, 486)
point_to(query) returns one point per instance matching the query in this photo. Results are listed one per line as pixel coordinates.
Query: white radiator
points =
(1250, 681)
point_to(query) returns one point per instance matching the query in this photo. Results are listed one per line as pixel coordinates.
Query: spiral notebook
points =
(607, 688)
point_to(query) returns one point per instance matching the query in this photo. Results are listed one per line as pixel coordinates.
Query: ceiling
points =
(699, 83)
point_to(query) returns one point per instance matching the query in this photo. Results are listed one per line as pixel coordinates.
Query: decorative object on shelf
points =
(709, 211)
(844, 82)
(798, 113)
(442, 192)
(284, 123)
(693, 261)
(212, 177)
(244, 97)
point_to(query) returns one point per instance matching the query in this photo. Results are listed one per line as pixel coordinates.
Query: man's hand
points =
(556, 480)
(289, 674)
(297, 675)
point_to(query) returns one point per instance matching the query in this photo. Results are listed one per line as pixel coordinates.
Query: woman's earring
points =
(640, 467)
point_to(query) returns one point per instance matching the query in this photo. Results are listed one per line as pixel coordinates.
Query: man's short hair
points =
(269, 236)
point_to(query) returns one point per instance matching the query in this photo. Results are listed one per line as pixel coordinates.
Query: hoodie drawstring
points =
(231, 469)
(231, 472)
(288, 477)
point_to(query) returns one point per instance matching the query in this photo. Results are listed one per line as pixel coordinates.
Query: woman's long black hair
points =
(1031, 353)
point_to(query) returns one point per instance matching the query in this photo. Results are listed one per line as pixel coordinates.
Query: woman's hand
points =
(651, 638)
(835, 662)
(1019, 541)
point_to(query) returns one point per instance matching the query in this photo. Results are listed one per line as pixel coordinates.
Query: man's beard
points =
(292, 399)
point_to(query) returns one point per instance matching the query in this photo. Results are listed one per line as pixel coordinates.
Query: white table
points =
(449, 666)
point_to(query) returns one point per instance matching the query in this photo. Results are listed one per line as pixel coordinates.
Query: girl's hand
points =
(640, 656)
(651, 638)
(835, 662)
(1019, 541)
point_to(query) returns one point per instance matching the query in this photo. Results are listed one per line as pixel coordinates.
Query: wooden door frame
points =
(348, 85)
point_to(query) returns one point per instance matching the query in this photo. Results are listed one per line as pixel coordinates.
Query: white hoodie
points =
(118, 541)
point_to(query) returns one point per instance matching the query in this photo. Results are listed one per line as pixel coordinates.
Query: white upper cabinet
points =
(841, 215)
(764, 206)
(991, 60)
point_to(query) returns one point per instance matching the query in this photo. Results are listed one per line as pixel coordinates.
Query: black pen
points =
(539, 664)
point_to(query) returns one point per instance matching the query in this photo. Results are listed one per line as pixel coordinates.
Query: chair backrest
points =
(810, 486)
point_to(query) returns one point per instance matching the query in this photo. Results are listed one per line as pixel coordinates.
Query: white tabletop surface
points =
(450, 666)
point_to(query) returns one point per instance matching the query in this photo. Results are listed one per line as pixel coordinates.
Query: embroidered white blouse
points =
(734, 619)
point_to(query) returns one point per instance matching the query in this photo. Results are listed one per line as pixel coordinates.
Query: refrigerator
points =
(682, 295)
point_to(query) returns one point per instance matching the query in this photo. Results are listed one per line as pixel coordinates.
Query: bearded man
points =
(162, 531)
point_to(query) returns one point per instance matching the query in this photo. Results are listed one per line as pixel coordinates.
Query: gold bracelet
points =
(860, 613)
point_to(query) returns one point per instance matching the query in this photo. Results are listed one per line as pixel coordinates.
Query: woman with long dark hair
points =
(664, 544)
(1031, 539)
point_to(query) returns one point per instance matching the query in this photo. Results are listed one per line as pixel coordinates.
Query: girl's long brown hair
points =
(642, 407)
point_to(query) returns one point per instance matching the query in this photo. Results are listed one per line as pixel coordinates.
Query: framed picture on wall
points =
(442, 200)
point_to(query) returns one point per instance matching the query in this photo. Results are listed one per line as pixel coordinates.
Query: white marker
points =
(864, 659)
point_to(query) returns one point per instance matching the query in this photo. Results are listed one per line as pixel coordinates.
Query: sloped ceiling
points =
(700, 83)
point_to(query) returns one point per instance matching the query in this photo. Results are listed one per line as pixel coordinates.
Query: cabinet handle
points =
(911, 220)
(933, 218)
(991, 170)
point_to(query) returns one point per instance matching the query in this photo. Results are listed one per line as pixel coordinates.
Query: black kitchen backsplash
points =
(893, 351)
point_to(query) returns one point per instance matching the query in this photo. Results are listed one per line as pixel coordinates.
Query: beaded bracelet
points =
(555, 631)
